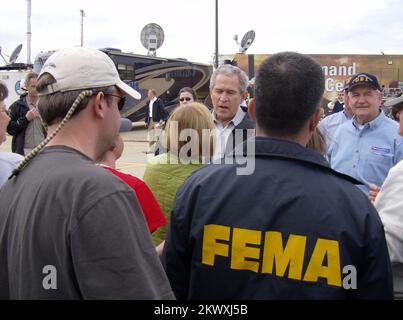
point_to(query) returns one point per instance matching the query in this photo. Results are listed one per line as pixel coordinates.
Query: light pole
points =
(29, 32)
(82, 26)
(216, 35)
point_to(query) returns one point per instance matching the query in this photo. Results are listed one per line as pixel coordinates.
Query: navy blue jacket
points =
(159, 112)
(245, 125)
(338, 107)
(294, 229)
(18, 124)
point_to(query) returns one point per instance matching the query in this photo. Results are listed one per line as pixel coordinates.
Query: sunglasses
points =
(185, 99)
(121, 101)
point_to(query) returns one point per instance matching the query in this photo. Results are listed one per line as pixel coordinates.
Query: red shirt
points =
(151, 209)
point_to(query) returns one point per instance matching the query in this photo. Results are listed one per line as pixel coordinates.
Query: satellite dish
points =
(247, 41)
(14, 55)
(152, 38)
(3, 56)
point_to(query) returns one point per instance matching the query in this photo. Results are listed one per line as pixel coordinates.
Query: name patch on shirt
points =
(379, 150)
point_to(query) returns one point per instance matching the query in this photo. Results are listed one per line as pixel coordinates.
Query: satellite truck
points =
(142, 72)
(13, 75)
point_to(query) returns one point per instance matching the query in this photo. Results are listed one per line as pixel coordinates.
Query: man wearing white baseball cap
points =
(69, 229)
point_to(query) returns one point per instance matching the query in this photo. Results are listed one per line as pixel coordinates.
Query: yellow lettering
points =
(240, 250)
(211, 247)
(331, 272)
(246, 248)
(292, 255)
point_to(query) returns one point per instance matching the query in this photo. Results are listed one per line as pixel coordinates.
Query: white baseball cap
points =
(78, 68)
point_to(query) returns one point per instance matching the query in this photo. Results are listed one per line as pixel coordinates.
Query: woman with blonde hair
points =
(189, 143)
(317, 142)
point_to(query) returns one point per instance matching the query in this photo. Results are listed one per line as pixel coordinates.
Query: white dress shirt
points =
(222, 133)
(151, 106)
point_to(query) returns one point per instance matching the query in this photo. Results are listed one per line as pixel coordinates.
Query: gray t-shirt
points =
(71, 230)
(34, 133)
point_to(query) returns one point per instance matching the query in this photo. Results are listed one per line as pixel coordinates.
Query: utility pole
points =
(82, 26)
(29, 32)
(216, 34)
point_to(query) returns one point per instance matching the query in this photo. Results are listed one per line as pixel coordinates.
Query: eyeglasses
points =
(121, 102)
(185, 99)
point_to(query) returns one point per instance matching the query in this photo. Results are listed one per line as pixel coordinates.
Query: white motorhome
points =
(166, 75)
(13, 76)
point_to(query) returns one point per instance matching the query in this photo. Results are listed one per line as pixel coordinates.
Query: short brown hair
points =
(3, 91)
(54, 107)
(283, 100)
(192, 116)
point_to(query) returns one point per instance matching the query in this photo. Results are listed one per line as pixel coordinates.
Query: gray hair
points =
(29, 76)
(229, 71)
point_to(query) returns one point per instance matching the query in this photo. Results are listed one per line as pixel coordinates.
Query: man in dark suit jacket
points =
(155, 118)
(156, 113)
(228, 89)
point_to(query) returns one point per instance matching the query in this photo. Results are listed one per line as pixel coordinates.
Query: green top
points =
(164, 175)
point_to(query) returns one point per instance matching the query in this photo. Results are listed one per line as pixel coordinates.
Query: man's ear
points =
(251, 110)
(315, 118)
(98, 105)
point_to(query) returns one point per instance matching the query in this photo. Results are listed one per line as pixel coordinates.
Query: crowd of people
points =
(319, 217)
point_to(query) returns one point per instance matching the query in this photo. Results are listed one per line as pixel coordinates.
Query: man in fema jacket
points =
(293, 228)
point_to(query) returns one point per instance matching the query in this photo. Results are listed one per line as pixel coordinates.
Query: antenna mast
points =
(29, 32)
(216, 35)
(82, 26)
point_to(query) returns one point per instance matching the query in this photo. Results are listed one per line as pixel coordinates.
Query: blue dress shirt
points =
(366, 154)
(329, 125)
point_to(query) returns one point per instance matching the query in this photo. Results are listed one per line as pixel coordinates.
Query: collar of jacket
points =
(286, 149)
(246, 123)
(22, 100)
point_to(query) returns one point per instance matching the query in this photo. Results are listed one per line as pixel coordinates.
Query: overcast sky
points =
(308, 26)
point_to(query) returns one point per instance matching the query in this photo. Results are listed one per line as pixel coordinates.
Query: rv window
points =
(126, 71)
